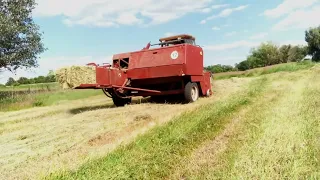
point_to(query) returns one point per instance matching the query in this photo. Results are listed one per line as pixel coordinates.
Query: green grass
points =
(31, 87)
(157, 153)
(276, 137)
(284, 141)
(52, 98)
(34, 95)
(286, 67)
(28, 100)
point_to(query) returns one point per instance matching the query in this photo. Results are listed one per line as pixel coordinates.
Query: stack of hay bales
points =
(74, 76)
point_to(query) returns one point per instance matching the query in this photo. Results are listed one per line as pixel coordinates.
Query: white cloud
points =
(215, 28)
(168, 34)
(128, 19)
(62, 61)
(301, 19)
(233, 45)
(259, 36)
(228, 12)
(108, 13)
(209, 9)
(206, 10)
(231, 33)
(203, 22)
(225, 13)
(288, 6)
(226, 60)
(218, 6)
(292, 42)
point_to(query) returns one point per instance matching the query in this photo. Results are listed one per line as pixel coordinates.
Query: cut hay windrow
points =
(74, 76)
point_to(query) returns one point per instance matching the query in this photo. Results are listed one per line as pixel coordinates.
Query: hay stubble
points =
(40, 140)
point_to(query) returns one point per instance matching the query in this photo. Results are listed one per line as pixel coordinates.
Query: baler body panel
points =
(102, 75)
(110, 76)
(157, 57)
(204, 80)
(194, 61)
(178, 60)
(156, 72)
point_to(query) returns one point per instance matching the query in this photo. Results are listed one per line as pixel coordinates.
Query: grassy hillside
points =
(268, 130)
(285, 67)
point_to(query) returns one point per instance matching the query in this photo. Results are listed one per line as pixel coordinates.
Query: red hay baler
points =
(175, 67)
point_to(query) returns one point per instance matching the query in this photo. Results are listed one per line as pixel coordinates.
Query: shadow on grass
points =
(169, 99)
(91, 108)
(155, 100)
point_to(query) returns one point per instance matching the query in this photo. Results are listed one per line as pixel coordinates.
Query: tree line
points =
(219, 68)
(268, 53)
(40, 79)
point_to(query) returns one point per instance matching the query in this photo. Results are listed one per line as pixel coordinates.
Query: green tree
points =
(51, 77)
(265, 55)
(297, 53)
(20, 39)
(23, 80)
(312, 37)
(40, 79)
(220, 68)
(228, 68)
(284, 53)
(32, 81)
(51, 73)
(243, 65)
(10, 82)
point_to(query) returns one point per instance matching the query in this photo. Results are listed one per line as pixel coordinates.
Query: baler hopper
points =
(174, 67)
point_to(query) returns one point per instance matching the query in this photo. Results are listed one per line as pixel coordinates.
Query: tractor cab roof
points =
(175, 40)
(177, 37)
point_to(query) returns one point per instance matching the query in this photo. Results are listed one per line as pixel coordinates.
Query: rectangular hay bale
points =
(74, 76)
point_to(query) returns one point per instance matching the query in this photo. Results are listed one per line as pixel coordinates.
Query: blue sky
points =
(77, 32)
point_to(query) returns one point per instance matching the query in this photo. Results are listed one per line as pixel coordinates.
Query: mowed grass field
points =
(39, 95)
(259, 127)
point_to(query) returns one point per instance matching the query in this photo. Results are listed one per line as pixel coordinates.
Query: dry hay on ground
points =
(74, 76)
(42, 140)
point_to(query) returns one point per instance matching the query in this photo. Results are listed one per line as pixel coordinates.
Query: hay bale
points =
(74, 76)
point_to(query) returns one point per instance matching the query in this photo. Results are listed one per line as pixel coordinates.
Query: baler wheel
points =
(156, 99)
(120, 101)
(191, 92)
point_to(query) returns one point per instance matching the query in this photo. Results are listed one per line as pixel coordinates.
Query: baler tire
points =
(191, 92)
(119, 102)
(156, 99)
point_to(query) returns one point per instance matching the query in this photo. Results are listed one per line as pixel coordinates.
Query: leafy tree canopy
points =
(312, 37)
(220, 68)
(20, 39)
